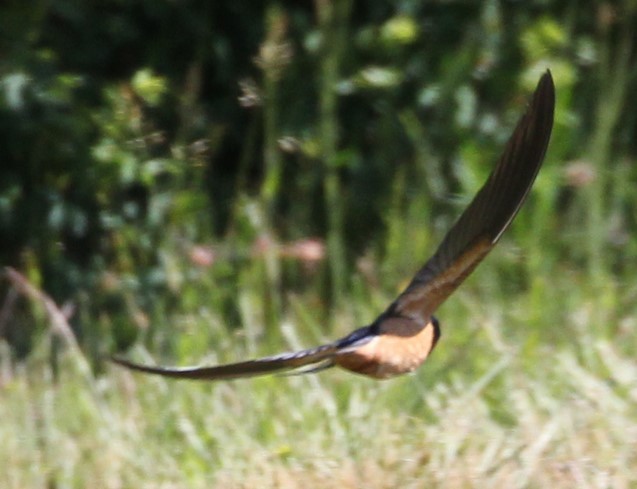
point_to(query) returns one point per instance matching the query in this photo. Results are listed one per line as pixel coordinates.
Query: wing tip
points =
(177, 372)
(123, 362)
(545, 93)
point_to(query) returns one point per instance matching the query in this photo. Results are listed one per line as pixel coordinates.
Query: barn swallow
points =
(403, 336)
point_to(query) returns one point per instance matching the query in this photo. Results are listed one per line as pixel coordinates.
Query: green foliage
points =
(113, 165)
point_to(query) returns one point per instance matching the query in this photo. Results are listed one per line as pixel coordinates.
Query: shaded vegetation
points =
(135, 131)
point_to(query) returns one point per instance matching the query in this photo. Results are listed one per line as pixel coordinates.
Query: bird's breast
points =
(400, 347)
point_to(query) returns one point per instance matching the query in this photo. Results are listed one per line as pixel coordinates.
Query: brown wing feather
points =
(466, 244)
(277, 363)
(489, 214)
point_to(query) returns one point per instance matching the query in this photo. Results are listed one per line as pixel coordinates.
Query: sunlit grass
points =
(493, 407)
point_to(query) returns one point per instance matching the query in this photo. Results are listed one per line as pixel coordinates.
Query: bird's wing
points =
(469, 240)
(489, 214)
(319, 357)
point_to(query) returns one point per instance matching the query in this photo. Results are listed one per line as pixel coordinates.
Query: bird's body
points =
(402, 337)
(400, 346)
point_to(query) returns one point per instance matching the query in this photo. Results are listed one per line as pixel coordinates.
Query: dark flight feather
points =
(470, 239)
(493, 208)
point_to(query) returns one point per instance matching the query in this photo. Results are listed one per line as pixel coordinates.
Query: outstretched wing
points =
(467, 243)
(489, 214)
(319, 357)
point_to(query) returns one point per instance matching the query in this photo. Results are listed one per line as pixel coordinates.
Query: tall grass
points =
(485, 411)
(333, 18)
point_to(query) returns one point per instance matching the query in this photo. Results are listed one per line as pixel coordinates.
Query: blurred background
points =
(195, 181)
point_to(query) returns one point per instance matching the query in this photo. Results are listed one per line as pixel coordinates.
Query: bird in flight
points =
(403, 336)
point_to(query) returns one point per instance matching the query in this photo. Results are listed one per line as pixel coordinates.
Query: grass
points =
(493, 407)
